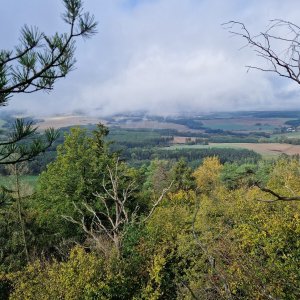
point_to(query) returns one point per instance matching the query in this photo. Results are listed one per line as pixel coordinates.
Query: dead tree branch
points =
(156, 203)
(107, 225)
(279, 46)
(276, 195)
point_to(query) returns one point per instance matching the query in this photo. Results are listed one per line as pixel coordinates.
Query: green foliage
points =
(164, 230)
(254, 245)
(35, 65)
(23, 144)
(234, 175)
(210, 237)
(182, 176)
(293, 122)
(80, 182)
(39, 60)
(208, 174)
(73, 177)
(158, 177)
(15, 220)
(81, 277)
(194, 156)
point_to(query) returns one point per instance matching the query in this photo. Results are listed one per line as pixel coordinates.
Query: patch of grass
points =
(245, 124)
(221, 145)
(238, 125)
(27, 179)
(267, 150)
(123, 135)
(295, 134)
(2, 122)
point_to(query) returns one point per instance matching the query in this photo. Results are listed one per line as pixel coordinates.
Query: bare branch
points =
(111, 220)
(276, 195)
(279, 48)
(156, 203)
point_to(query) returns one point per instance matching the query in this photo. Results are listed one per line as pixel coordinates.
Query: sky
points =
(159, 56)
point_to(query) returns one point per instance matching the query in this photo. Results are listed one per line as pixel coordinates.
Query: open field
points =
(237, 124)
(181, 139)
(27, 179)
(66, 121)
(155, 125)
(245, 124)
(268, 149)
(2, 122)
(295, 134)
(72, 120)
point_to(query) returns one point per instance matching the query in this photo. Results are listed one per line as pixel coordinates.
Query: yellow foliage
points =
(183, 197)
(285, 177)
(167, 223)
(208, 174)
(77, 278)
(153, 289)
(255, 245)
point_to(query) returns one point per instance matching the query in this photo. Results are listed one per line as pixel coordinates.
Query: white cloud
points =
(166, 56)
(203, 80)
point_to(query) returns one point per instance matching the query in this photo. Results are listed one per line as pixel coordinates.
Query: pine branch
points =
(40, 60)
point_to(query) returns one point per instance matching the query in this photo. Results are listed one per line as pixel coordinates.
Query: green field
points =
(127, 135)
(295, 134)
(2, 122)
(27, 179)
(215, 145)
(245, 124)
(267, 150)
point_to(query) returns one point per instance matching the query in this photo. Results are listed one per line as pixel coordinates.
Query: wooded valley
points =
(94, 227)
(102, 198)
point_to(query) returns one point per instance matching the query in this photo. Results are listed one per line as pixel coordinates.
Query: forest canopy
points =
(136, 218)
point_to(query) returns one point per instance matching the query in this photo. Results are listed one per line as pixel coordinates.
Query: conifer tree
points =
(35, 65)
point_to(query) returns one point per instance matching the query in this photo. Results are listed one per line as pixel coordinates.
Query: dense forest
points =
(118, 213)
(95, 227)
(136, 146)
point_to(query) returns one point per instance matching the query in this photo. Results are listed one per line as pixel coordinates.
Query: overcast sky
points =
(163, 56)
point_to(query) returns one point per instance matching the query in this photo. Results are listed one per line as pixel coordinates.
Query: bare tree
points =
(107, 227)
(279, 46)
(276, 195)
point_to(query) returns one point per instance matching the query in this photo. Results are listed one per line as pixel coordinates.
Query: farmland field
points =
(265, 149)
(245, 124)
(66, 121)
(155, 125)
(73, 120)
(287, 135)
